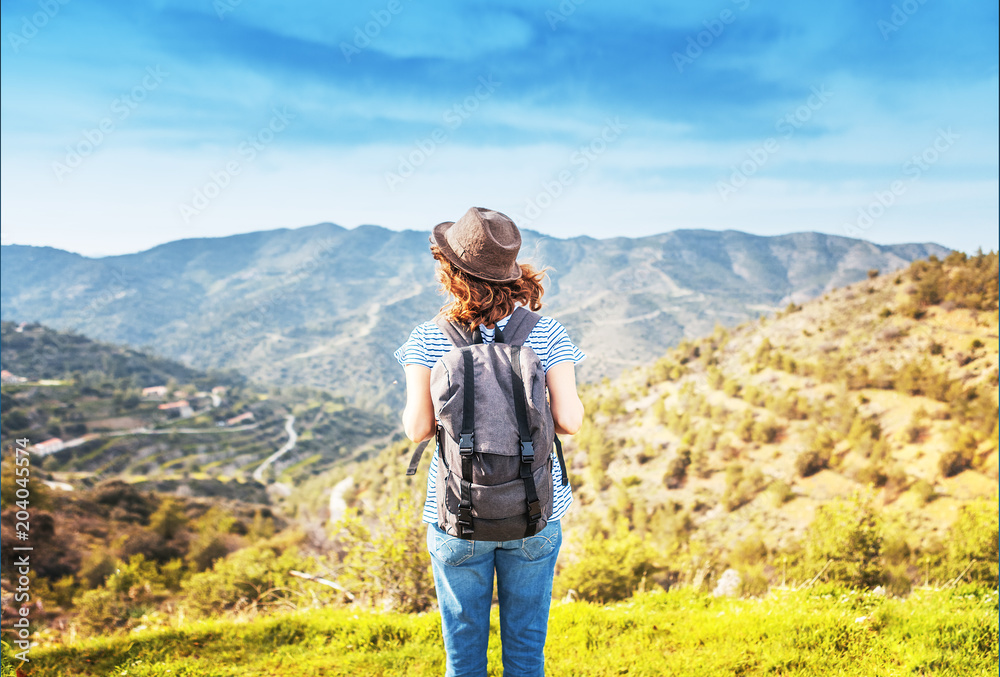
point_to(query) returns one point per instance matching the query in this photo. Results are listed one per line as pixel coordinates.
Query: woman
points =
(477, 267)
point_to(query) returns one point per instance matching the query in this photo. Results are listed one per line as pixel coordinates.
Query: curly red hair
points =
(475, 301)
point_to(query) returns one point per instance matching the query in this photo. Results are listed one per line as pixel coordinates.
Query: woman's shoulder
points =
(428, 330)
(546, 327)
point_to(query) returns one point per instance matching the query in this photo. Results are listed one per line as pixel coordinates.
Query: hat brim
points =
(438, 238)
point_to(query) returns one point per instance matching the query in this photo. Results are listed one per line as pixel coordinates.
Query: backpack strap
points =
(415, 459)
(562, 462)
(527, 449)
(466, 441)
(456, 333)
(515, 332)
(519, 326)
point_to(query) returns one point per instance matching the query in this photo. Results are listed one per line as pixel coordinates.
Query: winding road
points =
(338, 506)
(258, 474)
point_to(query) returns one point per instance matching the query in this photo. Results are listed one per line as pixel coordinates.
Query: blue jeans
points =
(463, 578)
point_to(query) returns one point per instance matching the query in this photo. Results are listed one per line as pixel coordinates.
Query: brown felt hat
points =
(483, 243)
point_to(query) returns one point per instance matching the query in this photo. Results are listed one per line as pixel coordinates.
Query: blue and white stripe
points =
(427, 344)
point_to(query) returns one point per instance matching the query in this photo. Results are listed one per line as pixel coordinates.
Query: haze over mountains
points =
(326, 306)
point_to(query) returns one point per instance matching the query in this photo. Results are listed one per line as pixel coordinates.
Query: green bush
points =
(924, 491)
(255, 578)
(741, 488)
(134, 589)
(610, 569)
(390, 564)
(846, 538)
(972, 543)
(780, 492)
(677, 469)
(811, 462)
(953, 462)
(765, 432)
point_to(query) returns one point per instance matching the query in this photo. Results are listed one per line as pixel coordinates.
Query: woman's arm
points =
(418, 415)
(567, 409)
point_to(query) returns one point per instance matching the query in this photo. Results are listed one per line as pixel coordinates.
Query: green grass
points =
(656, 634)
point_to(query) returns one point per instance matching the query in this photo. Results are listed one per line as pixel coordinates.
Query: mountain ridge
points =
(326, 306)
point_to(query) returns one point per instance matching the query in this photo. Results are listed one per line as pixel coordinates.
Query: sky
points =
(124, 125)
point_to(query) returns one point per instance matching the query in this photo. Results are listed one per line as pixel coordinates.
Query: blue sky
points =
(128, 124)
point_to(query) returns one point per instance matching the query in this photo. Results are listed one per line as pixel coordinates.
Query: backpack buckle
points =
(465, 443)
(534, 511)
(527, 452)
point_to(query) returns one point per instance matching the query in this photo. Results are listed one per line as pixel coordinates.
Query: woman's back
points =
(477, 268)
(548, 339)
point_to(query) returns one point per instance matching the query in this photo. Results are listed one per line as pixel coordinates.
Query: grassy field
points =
(656, 634)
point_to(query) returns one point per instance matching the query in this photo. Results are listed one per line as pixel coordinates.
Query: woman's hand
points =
(418, 415)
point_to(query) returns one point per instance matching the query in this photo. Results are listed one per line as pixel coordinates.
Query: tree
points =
(168, 519)
(847, 534)
(972, 543)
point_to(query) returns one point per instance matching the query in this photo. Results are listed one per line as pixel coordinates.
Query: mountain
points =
(326, 306)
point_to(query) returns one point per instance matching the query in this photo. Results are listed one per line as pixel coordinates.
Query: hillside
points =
(324, 306)
(139, 465)
(724, 451)
(201, 429)
(878, 383)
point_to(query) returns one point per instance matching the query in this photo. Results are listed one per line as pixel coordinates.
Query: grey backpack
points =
(494, 434)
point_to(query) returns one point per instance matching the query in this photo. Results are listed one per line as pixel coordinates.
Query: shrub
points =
(924, 491)
(391, 565)
(897, 580)
(677, 469)
(741, 488)
(953, 462)
(915, 431)
(610, 568)
(132, 590)
(254, 578)
(765, 432)
(847, 534)
(811, 462)
(972, 543)
(748, 552)
(780, 493)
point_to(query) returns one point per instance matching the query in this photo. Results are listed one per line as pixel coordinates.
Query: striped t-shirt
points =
(427, 344)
